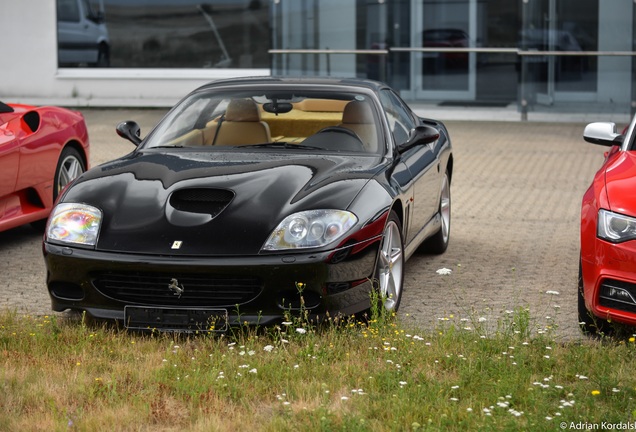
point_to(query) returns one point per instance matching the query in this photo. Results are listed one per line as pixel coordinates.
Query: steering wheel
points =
(340, 129)
(350, 142)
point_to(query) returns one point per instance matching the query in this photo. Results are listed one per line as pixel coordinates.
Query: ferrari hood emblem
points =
(175, 287)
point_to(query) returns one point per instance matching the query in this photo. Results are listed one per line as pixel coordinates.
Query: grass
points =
(58, 374)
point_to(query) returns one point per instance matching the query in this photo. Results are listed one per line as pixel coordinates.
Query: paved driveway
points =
(514, 236)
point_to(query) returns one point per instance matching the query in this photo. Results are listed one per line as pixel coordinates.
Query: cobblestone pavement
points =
(516, 192)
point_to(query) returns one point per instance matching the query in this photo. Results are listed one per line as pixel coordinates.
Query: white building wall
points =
(29, 73)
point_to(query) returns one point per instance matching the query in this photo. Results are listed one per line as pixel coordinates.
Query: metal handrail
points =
(460, 50)
(517, 51)
(328, 51)
(494, 50)
(578, 53)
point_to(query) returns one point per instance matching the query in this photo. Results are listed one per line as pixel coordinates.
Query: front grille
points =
(201, 200)
(608, 296)
(198, 289)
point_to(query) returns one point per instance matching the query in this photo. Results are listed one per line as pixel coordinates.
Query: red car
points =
(41, 150)
(607, 275)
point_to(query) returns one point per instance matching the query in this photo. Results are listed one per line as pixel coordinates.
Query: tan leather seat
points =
(358, 117)
(192, 138)
(242, 125)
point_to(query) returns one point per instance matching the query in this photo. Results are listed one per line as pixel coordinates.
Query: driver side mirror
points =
(420, 135)
(602, 133)
(129, 130)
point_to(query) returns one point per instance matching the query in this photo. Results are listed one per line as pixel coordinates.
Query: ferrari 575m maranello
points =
(41, 150)
(253, 199)
(607, 276)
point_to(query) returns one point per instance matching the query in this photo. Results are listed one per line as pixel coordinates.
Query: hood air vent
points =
(201, 200)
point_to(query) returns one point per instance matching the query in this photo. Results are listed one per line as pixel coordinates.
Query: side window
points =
(68, 11)
(400, 120)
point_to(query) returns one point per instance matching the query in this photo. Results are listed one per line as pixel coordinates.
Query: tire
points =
(389, 269)
(70, 165)
(438, 243)
(103, 56)
(589, 324)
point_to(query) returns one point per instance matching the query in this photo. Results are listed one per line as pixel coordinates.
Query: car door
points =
(419, 160)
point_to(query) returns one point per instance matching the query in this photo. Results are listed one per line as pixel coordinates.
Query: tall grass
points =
(59, 374)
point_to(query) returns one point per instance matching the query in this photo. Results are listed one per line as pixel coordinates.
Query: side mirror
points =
(602, 133)
(129, 130)
(420, 135)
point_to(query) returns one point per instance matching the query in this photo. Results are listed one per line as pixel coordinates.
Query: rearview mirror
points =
(277, 107)
(602, 133)
(129, 130)
(420, 135)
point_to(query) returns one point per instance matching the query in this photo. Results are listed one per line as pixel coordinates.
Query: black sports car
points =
(252, 199)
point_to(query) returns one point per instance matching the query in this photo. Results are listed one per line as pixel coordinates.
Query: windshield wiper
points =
(282, 144)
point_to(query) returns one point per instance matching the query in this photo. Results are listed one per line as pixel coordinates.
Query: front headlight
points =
(74, 223)
(614, 227)
(312, 228)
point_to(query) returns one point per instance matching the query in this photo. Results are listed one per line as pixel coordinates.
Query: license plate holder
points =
(176, 319)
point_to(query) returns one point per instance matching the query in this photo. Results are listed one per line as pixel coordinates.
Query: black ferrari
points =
(253, 199)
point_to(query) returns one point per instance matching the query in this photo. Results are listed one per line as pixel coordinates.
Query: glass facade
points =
(165, 33)
(535, 54)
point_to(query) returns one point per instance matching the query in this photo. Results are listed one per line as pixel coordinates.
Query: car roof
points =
(291, 81)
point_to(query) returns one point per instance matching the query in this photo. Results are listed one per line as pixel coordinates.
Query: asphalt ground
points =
(516, 193)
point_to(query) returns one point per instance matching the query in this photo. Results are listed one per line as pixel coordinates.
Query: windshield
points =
(285, 119)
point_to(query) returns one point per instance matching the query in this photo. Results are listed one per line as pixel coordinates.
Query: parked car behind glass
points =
(82, 36)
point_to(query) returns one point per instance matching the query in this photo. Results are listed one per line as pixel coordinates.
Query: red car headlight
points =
(615, 227)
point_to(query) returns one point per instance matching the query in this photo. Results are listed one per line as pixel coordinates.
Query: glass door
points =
(443, 24)
(566, 25)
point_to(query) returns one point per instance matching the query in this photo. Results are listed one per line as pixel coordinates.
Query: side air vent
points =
(32, 120)
(201, 200)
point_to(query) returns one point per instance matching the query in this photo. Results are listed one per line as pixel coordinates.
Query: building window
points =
(164, 34)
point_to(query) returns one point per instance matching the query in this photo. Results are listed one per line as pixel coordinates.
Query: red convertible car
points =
(41, 150)
(607, 276)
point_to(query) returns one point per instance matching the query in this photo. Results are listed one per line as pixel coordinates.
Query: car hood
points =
(620, 181)
(151, 200)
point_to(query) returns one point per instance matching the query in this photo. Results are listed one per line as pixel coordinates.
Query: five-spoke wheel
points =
(390, 266)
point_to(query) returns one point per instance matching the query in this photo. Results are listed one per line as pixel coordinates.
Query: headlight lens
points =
(74, 223)
(312, 228)
(614, 227)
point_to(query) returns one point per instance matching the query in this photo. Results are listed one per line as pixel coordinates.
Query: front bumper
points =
(252, 290)
(609, 281)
